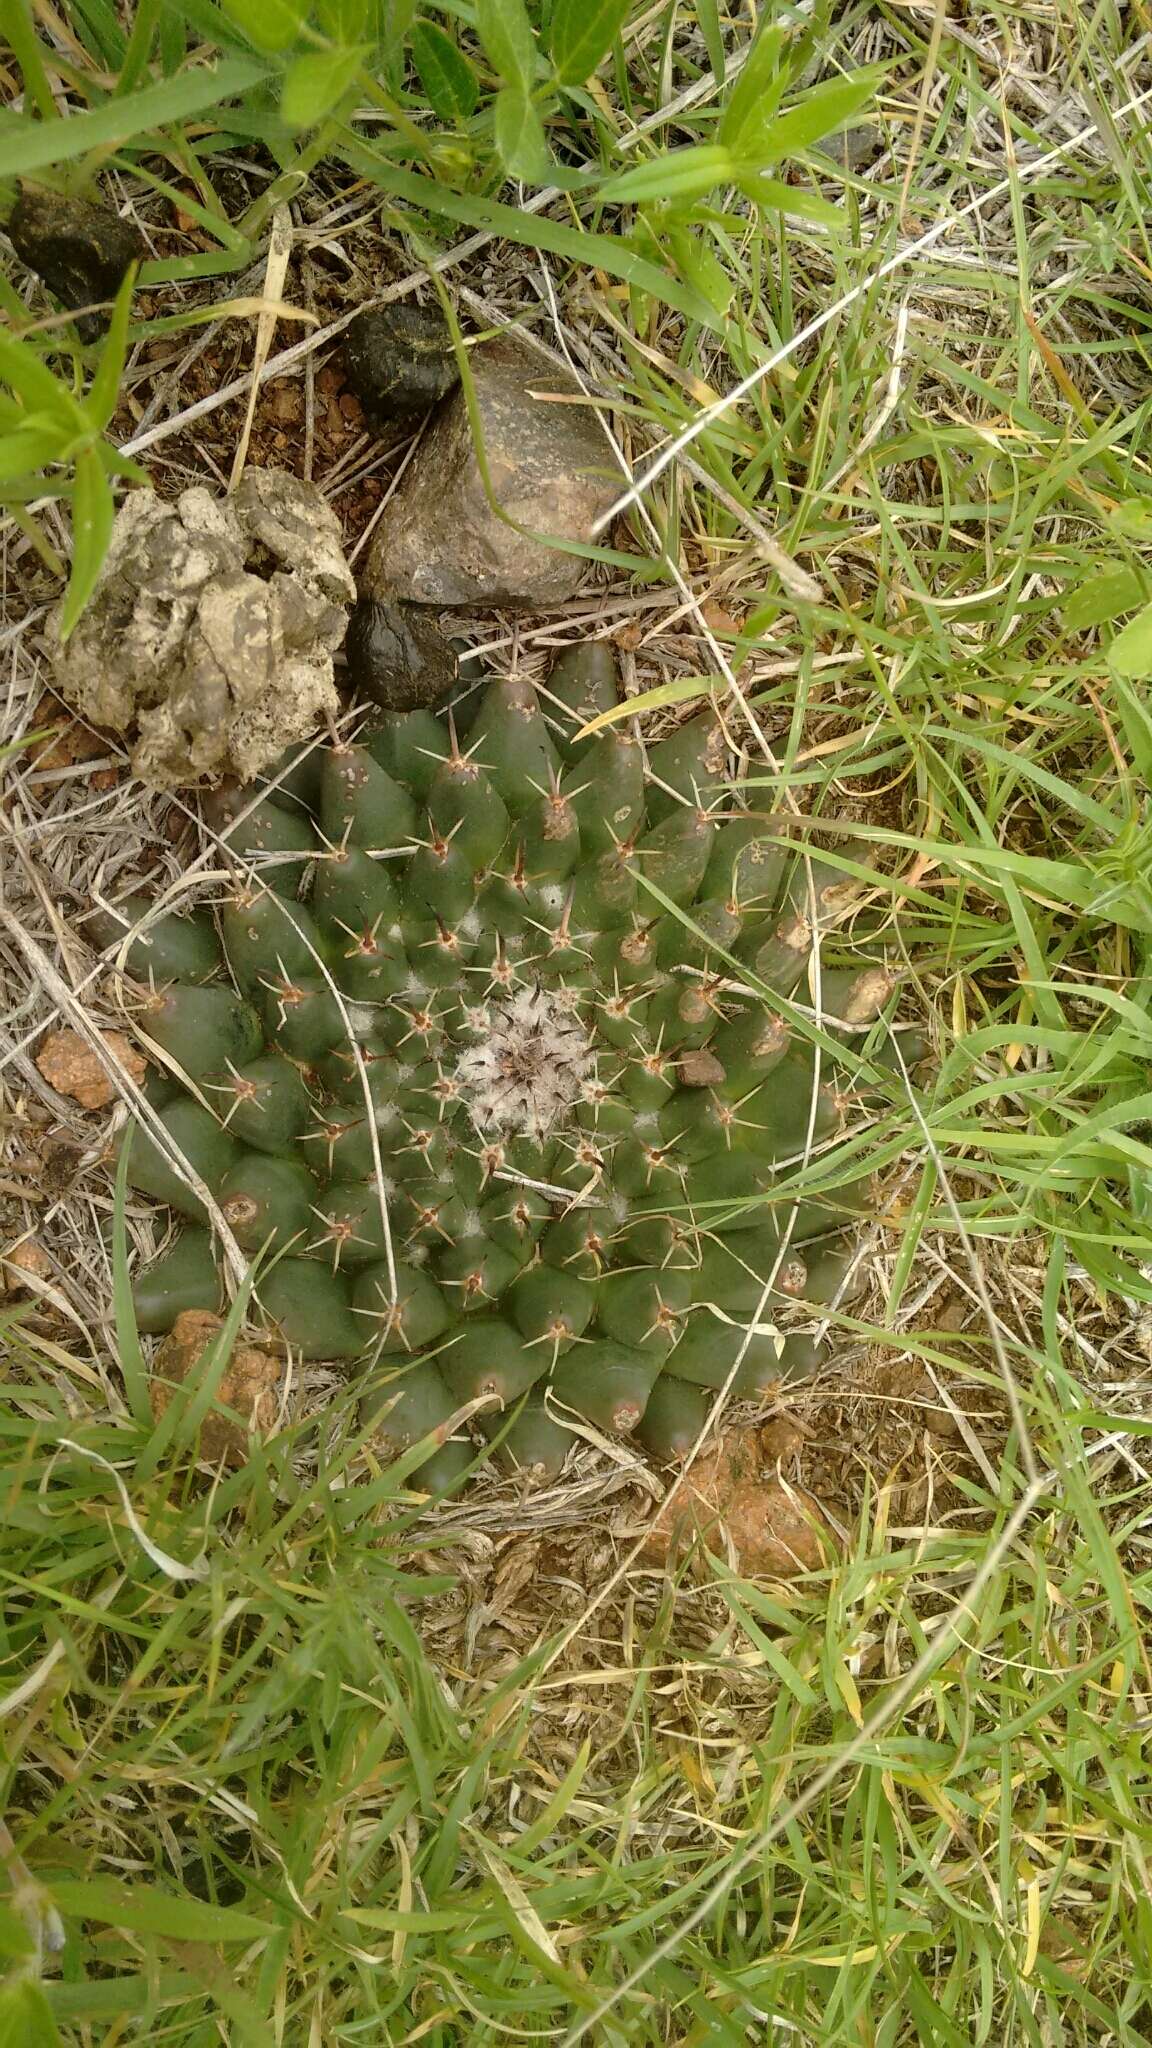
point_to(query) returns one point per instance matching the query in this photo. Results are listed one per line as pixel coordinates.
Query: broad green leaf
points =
(315, 85)
(1101, 598)
(24, 372)
(806, 205)
(520, 136)
(150, 1911)
(611, 253)
(92, 515)
(30, 448)
(1131, 651)
(1132, 517)
(506, 33)
(32, 145)
(389, 23)
(699, 263)
(445, 73)
(104, 390)
(823, 109)
(582, 33)
(269, 24)
(106, 1998)
(25, 2021)
(756, 90)
(344, 21)
(679, 174)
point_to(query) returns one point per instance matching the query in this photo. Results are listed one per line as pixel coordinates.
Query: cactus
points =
(513, 1103)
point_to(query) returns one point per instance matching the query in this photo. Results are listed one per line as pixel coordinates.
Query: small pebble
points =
(397, 656)
(400, 361)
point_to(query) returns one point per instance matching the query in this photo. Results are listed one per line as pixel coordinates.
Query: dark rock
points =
(439, 540)
(81, 251)
(397, 657)
(400, 361)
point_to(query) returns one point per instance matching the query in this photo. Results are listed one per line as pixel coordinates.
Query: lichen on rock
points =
(210, 636)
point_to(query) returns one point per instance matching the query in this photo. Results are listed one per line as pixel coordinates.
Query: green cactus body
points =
(504, 1119)
(184, 1277)
(171, 948)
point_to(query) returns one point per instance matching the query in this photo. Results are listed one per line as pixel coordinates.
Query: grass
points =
(368, 1775)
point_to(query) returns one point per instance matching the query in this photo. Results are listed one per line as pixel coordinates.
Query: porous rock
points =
(249, 1384)
(440, 542)
(774, 1530)
(71, 1066)
(210, 636)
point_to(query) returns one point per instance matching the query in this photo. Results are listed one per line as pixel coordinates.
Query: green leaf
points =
(1131, 651)
(151, 1911)
(708, 16)
(756, 90)
(506, 33)
(823, 109)
(681, 690)
(445, 73)
(15, 1940)
(316, 84)
(268, 24)
(104, 390)
(133, 1366)
(1100, 599)
(345, 21)
(520, 136)
(582, 33)
(28, 449)
(25, 2021)
(32, 145)
(611, 253)
(806, 205)
(92, 515)
(22, 370)
(1136, 718)
(1132, 517)
(698, 263)
(678, 174)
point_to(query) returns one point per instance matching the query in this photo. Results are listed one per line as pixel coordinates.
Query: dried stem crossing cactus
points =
(515, 1096)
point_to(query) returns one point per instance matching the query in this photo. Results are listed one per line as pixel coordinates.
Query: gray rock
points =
(209, 638)
(397, 657)
(440, 542)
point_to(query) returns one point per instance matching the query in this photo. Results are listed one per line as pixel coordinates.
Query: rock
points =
(250, 1383)
(400, 361)
(397, 657)
(209, 638)
(69, 1065)
(775, 1531)
(25, 1261)
(700, 1069)
(551, 470)
(81, 251)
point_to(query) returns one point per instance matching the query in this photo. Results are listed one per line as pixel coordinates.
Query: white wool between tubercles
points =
(530, 1069)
